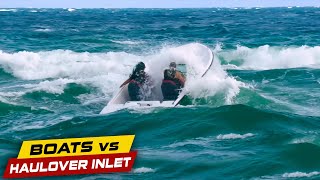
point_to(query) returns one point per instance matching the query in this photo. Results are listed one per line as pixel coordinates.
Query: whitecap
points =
(308, 139)
(201, 141)
(143, 170)
(107, 71)
(55, 86)
(44, 30)
(71, 9)
(127, 42)
(8, 10)
(267, 57)
(300, 174)
(234, 136)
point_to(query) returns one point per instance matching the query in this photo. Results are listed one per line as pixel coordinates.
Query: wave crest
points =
(300, 174)
(234, 136)
(143, 170)
(107, 71)
(267, 57)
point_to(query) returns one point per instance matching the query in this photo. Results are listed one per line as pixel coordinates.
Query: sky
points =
(153, 3)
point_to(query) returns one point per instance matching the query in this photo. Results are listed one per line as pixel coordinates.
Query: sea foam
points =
(143, 170)
(108, 70)
(43, 30)
(234, 136)
(8, 10)
(268, 57)
(127, 42)
(71, 9)
(300, 174)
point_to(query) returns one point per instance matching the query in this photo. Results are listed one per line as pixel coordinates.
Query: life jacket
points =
(170, 82)
(137, 78)
(136, 82)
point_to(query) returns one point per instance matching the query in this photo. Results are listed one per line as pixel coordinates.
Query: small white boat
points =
(204, 55)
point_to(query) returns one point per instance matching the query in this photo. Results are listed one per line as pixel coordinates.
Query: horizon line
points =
(159, 7)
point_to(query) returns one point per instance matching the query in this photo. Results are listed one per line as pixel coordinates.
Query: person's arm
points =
(126, 82)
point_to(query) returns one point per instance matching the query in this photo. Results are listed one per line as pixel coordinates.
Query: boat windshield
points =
(182, 68)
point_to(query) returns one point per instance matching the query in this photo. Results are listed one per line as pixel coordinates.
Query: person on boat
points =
(172, 82)
(138, 82)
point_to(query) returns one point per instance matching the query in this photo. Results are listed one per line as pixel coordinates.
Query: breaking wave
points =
(8, 10)
(71, 9)
(52, 71)
(106, 71)
(268, 57)
(300, 174)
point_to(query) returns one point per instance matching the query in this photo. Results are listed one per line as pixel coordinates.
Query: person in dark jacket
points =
(172, 82)
(136, 81)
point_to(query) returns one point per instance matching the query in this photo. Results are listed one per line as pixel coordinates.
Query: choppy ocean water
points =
(255, 116)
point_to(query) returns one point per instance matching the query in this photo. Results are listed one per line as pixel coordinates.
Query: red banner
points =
(70, 165)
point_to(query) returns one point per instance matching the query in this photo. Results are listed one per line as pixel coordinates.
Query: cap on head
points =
(173, 64)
